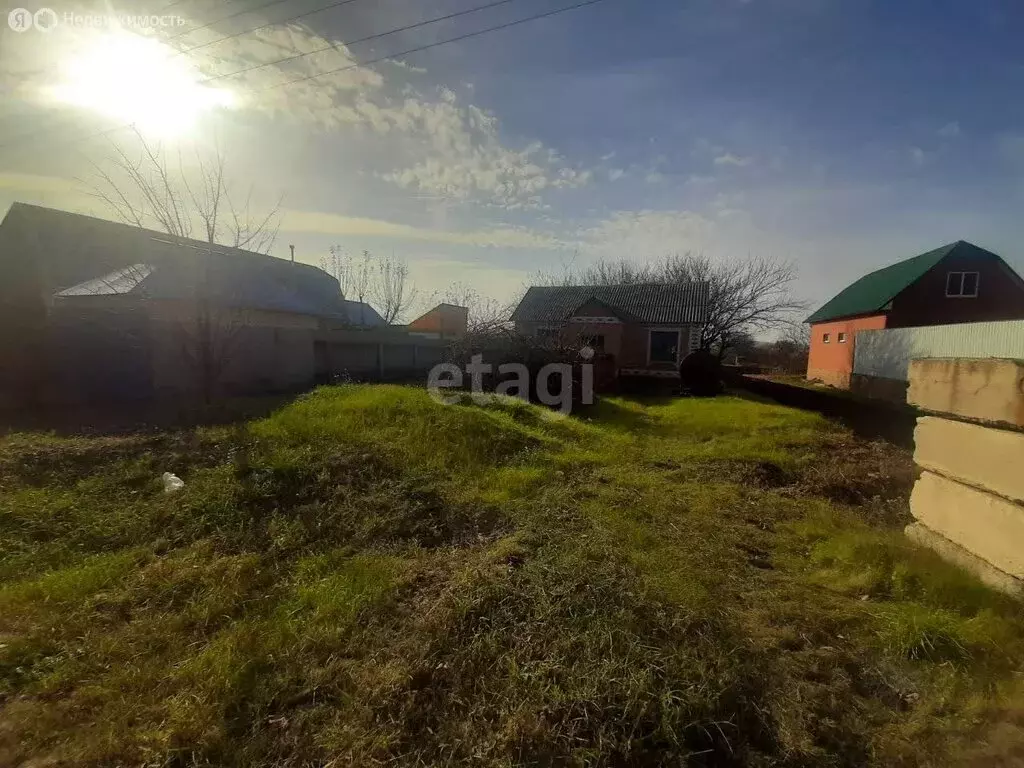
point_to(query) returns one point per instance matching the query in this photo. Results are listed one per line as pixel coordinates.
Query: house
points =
(647, 328)
(957, 283)
(96, 310)
(359, 314)
(445, 321)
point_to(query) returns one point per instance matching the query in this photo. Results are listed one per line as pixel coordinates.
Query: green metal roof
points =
(873, 291)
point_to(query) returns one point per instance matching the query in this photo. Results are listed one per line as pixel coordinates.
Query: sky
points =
(841, 136)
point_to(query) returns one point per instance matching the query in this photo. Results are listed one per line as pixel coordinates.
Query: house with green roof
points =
(957, 283)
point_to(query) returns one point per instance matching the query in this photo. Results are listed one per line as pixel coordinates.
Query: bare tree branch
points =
(174, 201)
(147, 191)
(485, 314)
(391, 288)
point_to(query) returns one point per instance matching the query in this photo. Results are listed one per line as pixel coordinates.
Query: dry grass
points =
(368, 577)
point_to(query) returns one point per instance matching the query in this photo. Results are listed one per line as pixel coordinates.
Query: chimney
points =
(292, 247)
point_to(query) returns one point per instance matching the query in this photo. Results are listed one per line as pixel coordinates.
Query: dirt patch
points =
(63, 462)
(361, 500)
(873, 474)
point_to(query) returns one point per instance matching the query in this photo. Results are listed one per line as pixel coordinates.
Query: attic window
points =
(826, 338)
(962, 284)
(842, 338)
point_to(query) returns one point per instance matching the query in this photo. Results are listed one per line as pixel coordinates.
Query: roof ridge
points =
(188, 242)
(622, 285)
(872, 291)
(639, 302)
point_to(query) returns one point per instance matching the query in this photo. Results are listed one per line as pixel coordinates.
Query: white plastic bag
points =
(172, 483)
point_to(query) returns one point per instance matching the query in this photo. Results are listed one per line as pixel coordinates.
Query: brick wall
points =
(832, 362)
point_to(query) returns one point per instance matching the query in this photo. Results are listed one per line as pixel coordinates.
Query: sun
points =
(141, 81)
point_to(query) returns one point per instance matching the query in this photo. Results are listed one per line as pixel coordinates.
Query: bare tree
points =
(749, 296)
(744, 297)
(334, 264)
(798, 334)
(485, 313)
(620, 272)
(391, 289)
(148, 191)
(353, 273)
(382, 281)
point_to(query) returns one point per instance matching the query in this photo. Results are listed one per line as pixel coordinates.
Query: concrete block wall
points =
(969, 501)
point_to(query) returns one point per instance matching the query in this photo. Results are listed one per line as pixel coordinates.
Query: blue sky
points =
(840, 135)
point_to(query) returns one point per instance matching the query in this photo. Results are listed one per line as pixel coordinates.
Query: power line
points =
(426, 22)
(203, 45)
(225, 18)
(377, 60)
(268, 24)
(336, 4)
(242, 12)
(43, 70)
(174, 3)
(428, 46)
(366, 39)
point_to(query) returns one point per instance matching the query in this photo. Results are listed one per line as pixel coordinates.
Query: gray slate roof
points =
(361, 313)
(68, 254)
(650, 303)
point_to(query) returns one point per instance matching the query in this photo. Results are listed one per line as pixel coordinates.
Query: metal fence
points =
(887, 353)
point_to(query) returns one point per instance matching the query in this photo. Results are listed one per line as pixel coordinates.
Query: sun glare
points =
(141, 81)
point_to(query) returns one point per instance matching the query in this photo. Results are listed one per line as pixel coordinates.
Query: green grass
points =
(367, 576)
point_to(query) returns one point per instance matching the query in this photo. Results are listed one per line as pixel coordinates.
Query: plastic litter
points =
(172, 483)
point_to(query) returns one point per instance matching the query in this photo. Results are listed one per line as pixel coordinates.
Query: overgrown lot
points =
(369, 577)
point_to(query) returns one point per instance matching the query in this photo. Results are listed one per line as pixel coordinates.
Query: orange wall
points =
(833, 362)
(446, 319)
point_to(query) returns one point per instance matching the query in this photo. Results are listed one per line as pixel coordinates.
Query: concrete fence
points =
(375, 355)
(969, 501)
(136, 354)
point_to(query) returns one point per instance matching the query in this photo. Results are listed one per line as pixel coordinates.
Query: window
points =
(826, 338)
(547, 334)
(595, 342)
(664, 346)
(842, 338)
(962, 284)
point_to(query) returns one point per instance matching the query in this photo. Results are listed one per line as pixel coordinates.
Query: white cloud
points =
(437, 144)
(440, 147)
(615, 174)
(950, 130)
(730, 159)
(316, 222)
(458, 154)
(918, 156)
(646, 234)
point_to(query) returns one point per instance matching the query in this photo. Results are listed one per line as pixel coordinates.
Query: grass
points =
(366, 576)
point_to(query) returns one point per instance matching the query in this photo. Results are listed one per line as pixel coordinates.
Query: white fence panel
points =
(888, 353)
